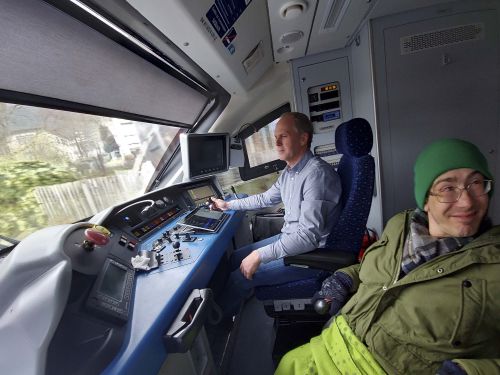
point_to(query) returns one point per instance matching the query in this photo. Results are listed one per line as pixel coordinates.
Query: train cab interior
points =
(120, 119)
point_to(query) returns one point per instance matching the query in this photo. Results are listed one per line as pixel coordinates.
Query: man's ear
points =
(304, 138)
(426, 204)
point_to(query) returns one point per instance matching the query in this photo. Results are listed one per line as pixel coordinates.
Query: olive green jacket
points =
(446, 308)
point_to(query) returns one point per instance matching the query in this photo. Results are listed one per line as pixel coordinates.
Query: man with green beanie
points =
(425, 297)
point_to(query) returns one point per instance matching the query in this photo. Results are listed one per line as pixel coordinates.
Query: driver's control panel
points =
(172, 247)
(163, 229)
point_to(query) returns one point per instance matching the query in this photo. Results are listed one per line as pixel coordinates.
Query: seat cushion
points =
(292, 290)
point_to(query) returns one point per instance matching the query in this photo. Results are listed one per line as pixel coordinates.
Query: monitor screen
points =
(200, 195)
(113, 282)
(204, 154)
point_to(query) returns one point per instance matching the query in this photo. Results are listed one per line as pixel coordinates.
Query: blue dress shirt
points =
(311, 193)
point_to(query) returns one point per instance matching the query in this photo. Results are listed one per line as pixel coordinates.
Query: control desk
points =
(126, 312)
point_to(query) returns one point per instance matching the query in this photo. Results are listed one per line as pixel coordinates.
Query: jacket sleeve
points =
(480, 366)
(353, 273)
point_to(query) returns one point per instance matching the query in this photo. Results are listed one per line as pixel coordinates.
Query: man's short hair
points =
(302, 124)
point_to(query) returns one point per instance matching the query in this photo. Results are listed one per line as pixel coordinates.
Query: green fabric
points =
(443, 156)
(447, 308)
(336, 351)
(479, 366)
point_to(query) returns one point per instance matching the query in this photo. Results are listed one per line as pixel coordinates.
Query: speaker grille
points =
(443, 37)
(291, 37)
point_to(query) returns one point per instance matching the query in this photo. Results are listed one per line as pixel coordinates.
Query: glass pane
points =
(60, 167)
(254, 186)
(260, 145)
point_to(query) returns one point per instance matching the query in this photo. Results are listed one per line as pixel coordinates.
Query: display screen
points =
(113, 282)
(207, 154)
(201, 194)
(205, 219)
(148, 227)
(208, 214)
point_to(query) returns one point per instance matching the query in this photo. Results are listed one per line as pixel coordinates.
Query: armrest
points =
(188, 323)
(324, 259)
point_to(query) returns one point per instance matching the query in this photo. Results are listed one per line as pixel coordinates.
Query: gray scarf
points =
(421, 247)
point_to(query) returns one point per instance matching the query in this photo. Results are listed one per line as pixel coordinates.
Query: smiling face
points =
(461, 218)
(291, 145)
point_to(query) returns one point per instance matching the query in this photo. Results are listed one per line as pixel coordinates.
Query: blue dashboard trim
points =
(160, 296)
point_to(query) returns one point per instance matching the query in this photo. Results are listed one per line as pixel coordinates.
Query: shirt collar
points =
(302, 163)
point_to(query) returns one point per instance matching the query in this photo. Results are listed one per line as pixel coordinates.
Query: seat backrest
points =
(354, 140)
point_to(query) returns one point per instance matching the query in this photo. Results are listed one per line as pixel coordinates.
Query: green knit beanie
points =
(443, 156)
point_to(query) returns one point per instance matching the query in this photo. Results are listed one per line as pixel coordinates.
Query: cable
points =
(136, 203)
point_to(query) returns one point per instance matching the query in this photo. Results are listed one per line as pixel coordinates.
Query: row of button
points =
(123, 241)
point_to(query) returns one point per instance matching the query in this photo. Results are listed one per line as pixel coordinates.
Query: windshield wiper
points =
(7, 244)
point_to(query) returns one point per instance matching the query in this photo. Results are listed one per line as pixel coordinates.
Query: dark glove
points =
(450, 368)
(336, 289)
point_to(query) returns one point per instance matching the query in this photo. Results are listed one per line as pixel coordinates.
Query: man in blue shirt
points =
(310, 190)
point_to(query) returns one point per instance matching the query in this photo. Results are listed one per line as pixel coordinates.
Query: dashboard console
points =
(167, 223)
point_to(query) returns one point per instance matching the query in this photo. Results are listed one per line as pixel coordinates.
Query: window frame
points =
(247, 172)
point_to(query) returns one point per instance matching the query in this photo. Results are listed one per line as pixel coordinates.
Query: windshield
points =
(60, 167)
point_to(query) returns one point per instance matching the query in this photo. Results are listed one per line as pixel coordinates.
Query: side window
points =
(231, 180)
(262, 165)
(258, 146)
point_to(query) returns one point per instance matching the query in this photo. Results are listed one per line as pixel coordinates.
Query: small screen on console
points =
(201, 194)
(113, 282)
(205, 219)
(216, 215)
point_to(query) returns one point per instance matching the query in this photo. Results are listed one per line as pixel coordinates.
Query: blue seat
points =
(356, 168)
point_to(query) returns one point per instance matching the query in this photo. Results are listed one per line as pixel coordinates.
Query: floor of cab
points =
(243, 346)
(253, 344)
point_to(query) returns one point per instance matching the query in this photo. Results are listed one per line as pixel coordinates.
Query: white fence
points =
(72, 201)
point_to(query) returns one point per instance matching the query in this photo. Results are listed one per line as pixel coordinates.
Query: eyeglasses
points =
(451, 194)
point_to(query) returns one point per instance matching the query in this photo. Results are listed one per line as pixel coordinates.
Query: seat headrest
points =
(354, 137)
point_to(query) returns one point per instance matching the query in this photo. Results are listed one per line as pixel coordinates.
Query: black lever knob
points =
(176, 245)
(321, 306)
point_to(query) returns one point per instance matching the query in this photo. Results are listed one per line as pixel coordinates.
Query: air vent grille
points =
(337, 9)
(443, 37)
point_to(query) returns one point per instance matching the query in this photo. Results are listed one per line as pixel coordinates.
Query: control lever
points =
(177, 252)
(233, 190)
(96, 235)
(210, 205)
(322, 306)
(188, 238)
